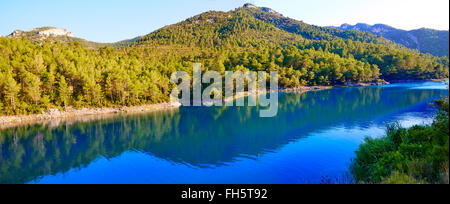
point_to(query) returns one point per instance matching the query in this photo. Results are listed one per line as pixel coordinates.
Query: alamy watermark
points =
(235, 83)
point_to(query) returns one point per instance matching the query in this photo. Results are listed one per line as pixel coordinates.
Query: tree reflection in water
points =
(198, 136)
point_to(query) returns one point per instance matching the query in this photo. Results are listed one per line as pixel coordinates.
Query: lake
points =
(312, 139)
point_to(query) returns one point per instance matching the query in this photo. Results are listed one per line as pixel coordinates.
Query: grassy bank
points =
(418, 155)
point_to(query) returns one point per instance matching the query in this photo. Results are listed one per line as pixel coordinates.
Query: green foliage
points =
(35, 78)
(34, 36)
(401, 178)
(271, 37)
(432, 41)
(416, 155)
(310, 31)
(37, 75)
(11, 90)
(63, 91)
(425, 40)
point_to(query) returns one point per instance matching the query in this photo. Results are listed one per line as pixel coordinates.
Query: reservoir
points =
(311, 140)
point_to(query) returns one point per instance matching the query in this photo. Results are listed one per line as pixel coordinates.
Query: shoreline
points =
(417, 80)
(54, 116)
(298, 90)
(303, 89)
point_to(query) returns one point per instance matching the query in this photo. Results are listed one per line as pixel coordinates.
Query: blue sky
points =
(114, 20)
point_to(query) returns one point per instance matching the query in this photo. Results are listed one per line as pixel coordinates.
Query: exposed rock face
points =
(430, 41)
(269, 10)
(265, 9)
(16, 33)
(56, 32)
(249, 6)
(42, 33)
(378, 29)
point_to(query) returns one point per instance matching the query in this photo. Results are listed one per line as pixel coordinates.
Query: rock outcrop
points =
(269, 10)
(249, 6)
(56, 32)
(430, 41)
(16, 33)
(42, 33)
(265, 9)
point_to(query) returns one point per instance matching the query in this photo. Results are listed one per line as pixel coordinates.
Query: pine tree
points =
(33, 88)
(63, 91)
(11, 91)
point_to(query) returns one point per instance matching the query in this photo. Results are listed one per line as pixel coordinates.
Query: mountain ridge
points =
(425, 40)
(286, 24)
(265, 14)
(54, 34)
(36, 75)
(378, 33)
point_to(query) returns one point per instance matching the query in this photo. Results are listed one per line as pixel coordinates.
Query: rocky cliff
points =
(56, 32)
(430, 41)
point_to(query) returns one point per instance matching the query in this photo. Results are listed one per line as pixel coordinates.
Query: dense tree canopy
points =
(407, 156)
(36, 76)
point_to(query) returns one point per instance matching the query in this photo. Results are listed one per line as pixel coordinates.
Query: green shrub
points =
(416, 155)
(401, 178)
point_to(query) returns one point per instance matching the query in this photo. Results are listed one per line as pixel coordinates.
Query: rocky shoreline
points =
(56, 116)
(414, 80)
(303, 89)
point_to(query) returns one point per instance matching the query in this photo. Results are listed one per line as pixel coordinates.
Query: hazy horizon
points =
(114, 20)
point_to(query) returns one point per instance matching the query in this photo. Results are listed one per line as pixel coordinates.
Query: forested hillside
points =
(36, 36)
(310, 31)
(431, 41)
(36, 76)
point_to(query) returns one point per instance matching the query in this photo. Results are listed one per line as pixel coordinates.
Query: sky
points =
(115, 20)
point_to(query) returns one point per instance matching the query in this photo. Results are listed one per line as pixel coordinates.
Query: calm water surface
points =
(313, 137)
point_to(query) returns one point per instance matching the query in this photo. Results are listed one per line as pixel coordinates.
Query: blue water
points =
(313, 138)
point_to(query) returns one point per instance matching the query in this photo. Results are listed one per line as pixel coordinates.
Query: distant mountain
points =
(53, 34)
(425, 40)
(309, 31)
(218, 29)
(253, 29)
(249, 38)
(260, 24)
